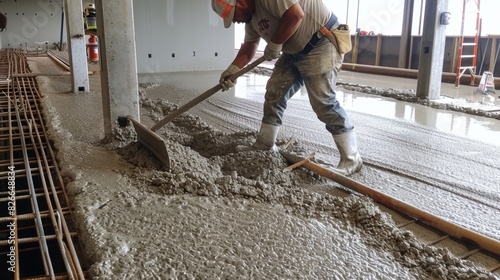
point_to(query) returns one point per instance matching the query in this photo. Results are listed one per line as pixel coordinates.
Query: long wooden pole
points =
(204, 95)
(452, 229)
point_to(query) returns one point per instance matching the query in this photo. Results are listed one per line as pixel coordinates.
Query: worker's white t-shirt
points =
(268, 13)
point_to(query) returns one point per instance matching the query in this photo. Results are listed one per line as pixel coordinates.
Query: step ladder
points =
(487, 84)
(467, 50)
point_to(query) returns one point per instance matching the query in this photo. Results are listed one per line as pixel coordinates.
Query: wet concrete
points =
(448, 90)
(479, 128)
(472, 125)
(438, 160)
(223, 213)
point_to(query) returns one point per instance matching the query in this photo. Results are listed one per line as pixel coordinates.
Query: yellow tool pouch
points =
(340, 37)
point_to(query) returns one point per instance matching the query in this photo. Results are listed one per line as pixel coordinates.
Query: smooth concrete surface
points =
(448, 90)
(471, 126)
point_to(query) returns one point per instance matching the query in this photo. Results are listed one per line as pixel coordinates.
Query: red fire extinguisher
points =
(93, 48)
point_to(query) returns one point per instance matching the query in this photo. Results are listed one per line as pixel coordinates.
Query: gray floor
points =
(473, 126)
(378, 142)
(448, 90)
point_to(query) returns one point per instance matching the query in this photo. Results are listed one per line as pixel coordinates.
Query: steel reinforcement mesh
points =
(37, 240)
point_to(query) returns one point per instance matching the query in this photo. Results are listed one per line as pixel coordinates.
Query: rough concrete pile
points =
(356, 239)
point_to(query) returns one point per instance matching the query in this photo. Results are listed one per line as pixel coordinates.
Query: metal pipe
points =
(34, 202)
(62, 26)
(62, 246)
(347, 13)
(20, 197)
(357, 16)
(59, 60)
(420, 17)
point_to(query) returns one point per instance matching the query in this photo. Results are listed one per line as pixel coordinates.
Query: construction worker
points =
(291, 27)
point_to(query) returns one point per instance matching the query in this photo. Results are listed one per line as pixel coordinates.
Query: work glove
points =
(272, 51)
(224, 80)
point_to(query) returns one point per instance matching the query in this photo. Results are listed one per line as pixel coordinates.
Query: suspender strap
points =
(314, 39)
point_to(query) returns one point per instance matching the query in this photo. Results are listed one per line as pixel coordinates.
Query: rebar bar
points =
(27, 149)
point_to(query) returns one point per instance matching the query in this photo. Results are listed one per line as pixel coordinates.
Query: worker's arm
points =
(246, 53)
(289, 23)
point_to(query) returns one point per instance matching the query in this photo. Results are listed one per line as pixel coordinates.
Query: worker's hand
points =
(224, 80)
(272, 51)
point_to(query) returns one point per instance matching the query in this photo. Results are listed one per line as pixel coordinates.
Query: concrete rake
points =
(154, 142)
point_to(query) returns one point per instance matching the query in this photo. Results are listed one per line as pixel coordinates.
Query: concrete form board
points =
(77, 46)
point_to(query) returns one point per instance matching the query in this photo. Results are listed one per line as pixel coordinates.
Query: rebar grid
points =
(36, 241)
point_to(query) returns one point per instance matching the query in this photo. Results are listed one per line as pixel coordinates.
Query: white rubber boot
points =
(266, 139)
(350, 160)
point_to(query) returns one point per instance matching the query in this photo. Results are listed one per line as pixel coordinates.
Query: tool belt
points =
(340, 38)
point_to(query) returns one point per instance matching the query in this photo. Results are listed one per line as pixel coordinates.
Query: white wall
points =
(188, 29)
(180, 35)
(30, 21)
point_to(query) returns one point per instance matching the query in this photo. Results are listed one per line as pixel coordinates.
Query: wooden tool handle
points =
(450, 228)
(204, 95)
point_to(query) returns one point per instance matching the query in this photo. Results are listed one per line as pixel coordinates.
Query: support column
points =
(120, 90)
(432, 51)
(77, 46)
(404, 46)
(495, 48)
